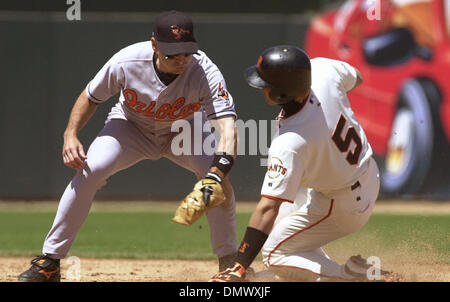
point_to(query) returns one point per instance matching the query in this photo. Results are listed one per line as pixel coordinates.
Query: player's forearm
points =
(82, 111)
(228, 136)
(265, 214)
(227, 148)
(258, 230)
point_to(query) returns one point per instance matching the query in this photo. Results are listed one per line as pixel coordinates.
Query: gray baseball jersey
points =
(149, 103)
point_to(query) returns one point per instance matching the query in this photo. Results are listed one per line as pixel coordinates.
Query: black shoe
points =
(43, 269)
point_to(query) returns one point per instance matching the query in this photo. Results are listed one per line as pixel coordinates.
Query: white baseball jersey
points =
(322, 146)
(147, 101)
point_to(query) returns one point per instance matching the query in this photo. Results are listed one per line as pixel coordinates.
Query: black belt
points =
(355, 185)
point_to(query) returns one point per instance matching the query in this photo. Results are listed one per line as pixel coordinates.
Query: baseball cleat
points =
(226, 261)
(236, 273)
(43, 269)
(357, 267)
(392, 277)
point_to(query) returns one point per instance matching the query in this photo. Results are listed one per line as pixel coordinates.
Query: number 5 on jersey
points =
(344, 144)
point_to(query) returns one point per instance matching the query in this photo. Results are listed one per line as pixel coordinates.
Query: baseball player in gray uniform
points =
(321, 149)
(161, 81)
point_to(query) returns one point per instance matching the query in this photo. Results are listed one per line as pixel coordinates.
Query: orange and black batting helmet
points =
(285, 69)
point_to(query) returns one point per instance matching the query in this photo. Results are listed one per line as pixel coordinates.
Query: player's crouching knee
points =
(286, 273)
(92, 176)
(266, 253)
(272, 270)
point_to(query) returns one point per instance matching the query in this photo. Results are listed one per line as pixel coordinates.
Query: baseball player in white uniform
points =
(320, 162)
(160, 82)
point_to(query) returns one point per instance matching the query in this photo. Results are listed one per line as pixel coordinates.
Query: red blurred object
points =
(402, 49)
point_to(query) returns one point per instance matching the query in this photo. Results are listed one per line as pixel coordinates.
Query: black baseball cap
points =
(174, 32)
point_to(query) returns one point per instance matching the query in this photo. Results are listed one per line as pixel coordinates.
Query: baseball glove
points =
(207, 194)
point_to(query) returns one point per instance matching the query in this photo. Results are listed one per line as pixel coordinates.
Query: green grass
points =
(113, 234)
(149, 234)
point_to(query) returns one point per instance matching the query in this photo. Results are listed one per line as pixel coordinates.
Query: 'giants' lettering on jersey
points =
(276, 168)
(165, 113)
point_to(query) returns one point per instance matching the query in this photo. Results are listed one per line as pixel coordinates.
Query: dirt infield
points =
(122, 270)
(113, 270)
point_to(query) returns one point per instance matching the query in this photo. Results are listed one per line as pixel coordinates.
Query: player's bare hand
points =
(73, 153)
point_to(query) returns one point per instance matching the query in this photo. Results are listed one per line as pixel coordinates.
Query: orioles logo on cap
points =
(179, 32)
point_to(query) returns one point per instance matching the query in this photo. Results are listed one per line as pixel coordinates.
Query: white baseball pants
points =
(293, 250)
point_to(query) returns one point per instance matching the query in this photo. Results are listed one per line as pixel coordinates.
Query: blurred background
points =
(47, 59)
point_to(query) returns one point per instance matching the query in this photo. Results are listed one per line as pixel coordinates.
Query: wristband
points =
(223, 162)
(251, 245)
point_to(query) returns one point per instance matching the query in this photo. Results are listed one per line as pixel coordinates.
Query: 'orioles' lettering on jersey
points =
(165, 113)
(322, 146)
(146, 101)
